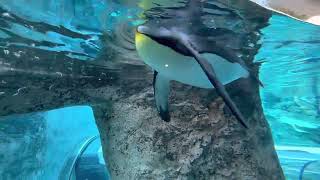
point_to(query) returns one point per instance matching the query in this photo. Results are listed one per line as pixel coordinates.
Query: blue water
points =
(290, 97)
(290, 73)
(42, 148)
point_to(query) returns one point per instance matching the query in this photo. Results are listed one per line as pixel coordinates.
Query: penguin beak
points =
(141, 34)
(160, 32)
(143, 29)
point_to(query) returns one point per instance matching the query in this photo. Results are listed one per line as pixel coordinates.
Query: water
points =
(38, 145)
(51, 49)
(291, 95)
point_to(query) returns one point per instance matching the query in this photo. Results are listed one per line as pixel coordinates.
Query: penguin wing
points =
(210, 73)
(226, 51)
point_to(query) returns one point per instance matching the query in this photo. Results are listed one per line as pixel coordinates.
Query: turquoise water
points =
(290, 73)
(290, 98)
(41, 147)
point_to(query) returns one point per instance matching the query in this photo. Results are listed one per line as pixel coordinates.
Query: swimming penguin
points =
(304, 10)
(178, 46)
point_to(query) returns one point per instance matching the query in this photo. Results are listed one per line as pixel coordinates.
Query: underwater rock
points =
(202, 141)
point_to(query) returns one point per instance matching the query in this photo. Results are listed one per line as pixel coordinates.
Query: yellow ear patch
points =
(140, 38)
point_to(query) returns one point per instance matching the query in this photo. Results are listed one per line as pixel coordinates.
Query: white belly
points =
(183, 68)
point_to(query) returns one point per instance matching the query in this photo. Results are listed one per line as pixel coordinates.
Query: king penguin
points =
(177, 48)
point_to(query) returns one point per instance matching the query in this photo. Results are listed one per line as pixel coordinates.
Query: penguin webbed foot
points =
(165, 115)
(161, 86)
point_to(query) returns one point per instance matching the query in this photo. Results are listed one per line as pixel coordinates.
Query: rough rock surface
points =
(202, 141)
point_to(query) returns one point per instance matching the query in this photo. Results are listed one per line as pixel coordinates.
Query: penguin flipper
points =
(161, 87)
(210, 73)
(232, 57)
(216, 45)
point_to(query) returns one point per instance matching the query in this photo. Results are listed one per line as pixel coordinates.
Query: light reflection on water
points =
(291, 96)
(291, 76)
(290, 50)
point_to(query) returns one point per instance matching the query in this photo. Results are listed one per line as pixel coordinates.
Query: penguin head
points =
(167, 37)
(154, 31)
